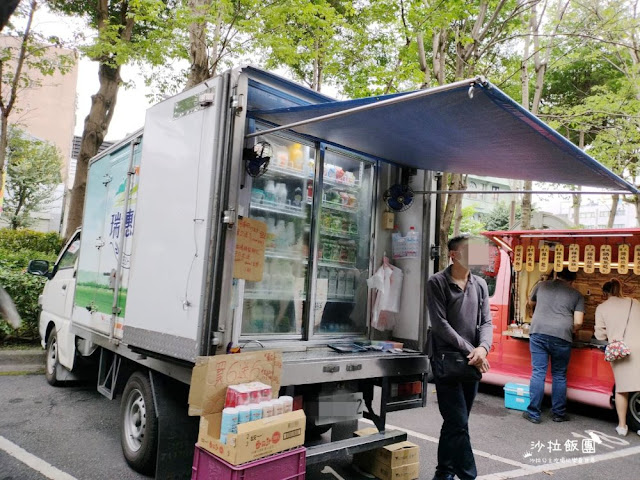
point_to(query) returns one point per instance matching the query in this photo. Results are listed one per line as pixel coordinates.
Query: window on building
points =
(495, 196)
(472, 186)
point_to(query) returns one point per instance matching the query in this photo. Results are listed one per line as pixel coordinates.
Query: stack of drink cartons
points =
(399, 461)
(227, 391)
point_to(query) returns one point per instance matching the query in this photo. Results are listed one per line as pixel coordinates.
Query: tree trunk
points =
(636, 203)
(199, 69)
(526, 205)
(577, 199)
(96, 125)
(12, 94)
(450, 201)
(615, 198)
(576, 206)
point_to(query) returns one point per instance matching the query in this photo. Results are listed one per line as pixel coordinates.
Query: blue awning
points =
(447, 129)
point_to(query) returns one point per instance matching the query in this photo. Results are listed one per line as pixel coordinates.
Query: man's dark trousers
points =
(455, 456)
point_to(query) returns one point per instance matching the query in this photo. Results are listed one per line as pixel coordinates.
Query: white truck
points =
(249, 212)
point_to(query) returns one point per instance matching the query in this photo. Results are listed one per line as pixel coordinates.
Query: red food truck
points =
(521, 259)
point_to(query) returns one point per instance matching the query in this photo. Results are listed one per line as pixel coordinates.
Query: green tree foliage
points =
(469, 224)
(26, 57)
(125, 31)
(33, 173)
(498, 218)
(17, 247)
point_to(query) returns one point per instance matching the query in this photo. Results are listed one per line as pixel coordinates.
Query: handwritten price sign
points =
(250, 244)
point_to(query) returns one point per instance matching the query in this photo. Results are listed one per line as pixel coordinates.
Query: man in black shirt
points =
(460, 321)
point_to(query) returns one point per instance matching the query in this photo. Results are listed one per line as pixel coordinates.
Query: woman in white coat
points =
(618, 318)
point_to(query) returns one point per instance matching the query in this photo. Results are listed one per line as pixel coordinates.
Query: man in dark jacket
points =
(460, 321)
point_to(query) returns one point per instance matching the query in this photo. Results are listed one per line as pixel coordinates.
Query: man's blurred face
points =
(471, 253)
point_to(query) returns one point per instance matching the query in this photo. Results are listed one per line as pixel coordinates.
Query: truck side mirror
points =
(39, 268)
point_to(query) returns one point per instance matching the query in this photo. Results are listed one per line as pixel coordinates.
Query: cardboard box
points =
(209, 381)
(410, 471)
(212, 375)
(399, 461)
(255, 439)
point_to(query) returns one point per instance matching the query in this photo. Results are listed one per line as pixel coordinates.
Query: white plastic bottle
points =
(341, 286)
(333, 280)
(411, 243)
(270, 192)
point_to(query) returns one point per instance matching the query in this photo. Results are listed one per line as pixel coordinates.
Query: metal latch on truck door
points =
(229, 217)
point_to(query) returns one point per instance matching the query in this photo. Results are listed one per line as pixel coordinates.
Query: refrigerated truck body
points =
(148, 284)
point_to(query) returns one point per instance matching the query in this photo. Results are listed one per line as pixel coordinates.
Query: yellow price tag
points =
(623, 258)
(558, 259)
(517, 258)
(531, 258)
(636, 259)
(605, 259)
(589, 259)
(543, 266)
(574, 257)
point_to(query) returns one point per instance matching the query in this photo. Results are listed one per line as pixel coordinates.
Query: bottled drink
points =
(281, 235)
(411, 243)
(270, 192)
(341, 286)
(281, 194)
(333, 280)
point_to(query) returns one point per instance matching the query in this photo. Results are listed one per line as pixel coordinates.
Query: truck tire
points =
(633, 416)
(139, 424)
(51, 362)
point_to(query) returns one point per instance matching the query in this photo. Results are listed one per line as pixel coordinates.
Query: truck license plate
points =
(340, 408)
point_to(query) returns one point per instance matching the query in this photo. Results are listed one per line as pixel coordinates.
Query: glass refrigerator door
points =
(344, 239)
(281, 199)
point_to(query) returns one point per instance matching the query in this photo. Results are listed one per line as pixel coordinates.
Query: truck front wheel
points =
(633, 416)
(51, 364)
(139, 424)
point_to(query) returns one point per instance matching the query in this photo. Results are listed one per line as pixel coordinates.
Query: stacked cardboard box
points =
(400, 461)
(209, 381)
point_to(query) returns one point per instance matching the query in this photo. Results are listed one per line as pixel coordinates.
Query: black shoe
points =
(560, 418)
(443, 476)
(527, 416)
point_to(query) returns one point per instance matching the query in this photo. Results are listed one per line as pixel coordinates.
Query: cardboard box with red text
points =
(212, 375)
(209, 381)
(255, 439)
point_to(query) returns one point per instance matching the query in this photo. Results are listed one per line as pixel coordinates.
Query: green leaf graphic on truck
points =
(108, 227)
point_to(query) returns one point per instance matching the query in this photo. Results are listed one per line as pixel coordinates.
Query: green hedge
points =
(47, 243)
(17, 247)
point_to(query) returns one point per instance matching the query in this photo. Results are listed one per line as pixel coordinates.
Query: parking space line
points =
(559, 466)
(32, 461)
(480, 453)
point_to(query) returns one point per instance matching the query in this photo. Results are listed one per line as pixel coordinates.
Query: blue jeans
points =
(455, 456)
(544, 347)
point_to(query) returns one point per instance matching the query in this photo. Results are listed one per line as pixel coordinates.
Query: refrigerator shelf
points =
(339, 207)
(286, 295)
(285, 255)
(338, 234)
(354, 187)
(275, 208)
(342, 299)
(277, 171)
(334, 264)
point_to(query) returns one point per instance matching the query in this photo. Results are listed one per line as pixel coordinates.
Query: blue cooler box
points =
(516, 396)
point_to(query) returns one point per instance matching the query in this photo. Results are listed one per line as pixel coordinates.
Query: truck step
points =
(343, 449)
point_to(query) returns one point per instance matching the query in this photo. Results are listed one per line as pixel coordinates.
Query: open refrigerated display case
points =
(344, 227)
(316, 202)
(279, 199)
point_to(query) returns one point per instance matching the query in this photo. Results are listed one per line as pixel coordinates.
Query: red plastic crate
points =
(290, 465)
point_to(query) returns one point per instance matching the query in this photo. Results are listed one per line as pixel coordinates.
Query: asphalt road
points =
(72, 433)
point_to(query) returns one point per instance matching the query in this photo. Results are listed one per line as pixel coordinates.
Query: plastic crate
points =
(289, 465)
(516, 396)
